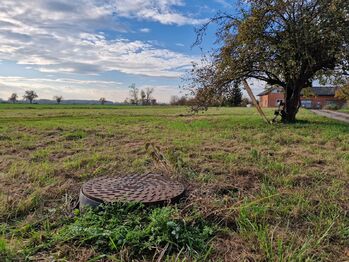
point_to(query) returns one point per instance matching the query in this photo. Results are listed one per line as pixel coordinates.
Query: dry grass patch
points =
(271, 192)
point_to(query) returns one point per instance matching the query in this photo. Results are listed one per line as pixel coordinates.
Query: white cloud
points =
(160, 11)
(145, 30)
(65, 36)
(224, 3)
(69, 88)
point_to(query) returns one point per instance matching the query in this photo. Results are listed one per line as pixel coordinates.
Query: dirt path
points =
(333, 114)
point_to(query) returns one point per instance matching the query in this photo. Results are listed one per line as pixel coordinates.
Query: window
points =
(306, 103)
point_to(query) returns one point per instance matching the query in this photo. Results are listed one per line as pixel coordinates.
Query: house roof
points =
(318, 90)
(268, 90)
(265, 92)
(324, 90)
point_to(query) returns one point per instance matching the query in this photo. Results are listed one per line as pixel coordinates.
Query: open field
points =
(264, 193)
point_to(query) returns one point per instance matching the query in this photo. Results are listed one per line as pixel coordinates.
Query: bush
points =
(331, 106)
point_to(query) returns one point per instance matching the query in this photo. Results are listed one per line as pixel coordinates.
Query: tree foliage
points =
(102, 100)
(343, 92)
(234, 96)
(30, 95)
(308, 92)
(142, 97)
(179, 101)
(288, 43)
(58, 99)
(133, 90)
(13, 98)
(148, 96)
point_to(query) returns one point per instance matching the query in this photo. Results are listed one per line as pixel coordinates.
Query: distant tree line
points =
(231, 96)
(30, 96)
(137, 97)
(140, 97)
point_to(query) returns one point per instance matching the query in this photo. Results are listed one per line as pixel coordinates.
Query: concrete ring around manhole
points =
(143, 188)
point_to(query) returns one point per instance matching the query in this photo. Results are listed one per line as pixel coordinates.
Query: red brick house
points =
(323, 95)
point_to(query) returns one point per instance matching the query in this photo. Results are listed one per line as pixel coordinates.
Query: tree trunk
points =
(292, 104)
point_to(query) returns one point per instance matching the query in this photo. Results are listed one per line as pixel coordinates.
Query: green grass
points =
(138, 230)
(269, 193)
(345, 110)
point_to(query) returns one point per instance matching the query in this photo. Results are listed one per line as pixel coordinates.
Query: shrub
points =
(331, 106)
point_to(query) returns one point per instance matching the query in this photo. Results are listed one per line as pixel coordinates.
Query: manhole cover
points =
(147, 188)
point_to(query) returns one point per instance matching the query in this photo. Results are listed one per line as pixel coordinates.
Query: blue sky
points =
(87, 49)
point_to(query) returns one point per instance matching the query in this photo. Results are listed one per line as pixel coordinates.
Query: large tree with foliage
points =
(30, 95)
(288, 43)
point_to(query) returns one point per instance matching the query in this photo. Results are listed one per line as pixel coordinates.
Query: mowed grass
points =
(255, 191)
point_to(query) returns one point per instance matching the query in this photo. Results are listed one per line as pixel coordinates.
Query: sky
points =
(87, 49)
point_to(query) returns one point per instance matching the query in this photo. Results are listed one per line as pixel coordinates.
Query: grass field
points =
(257, 192)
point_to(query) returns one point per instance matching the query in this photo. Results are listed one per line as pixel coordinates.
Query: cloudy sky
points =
(86, 49)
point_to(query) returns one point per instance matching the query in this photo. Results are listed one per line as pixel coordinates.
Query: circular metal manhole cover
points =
(146, 188)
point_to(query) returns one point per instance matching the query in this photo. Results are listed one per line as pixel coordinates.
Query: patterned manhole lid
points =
(146, 188)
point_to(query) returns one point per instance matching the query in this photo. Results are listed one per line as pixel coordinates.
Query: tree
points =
(148, 96)
(13, 98)
(234, 96)
(143, 101)
(58, 99)
(174, 100)
(245, 101)
(207, 97)
(30, 95)
(343, 92)
(102, 100)
(134, 94)
(287, 43)
(178, 101)
(308, 92)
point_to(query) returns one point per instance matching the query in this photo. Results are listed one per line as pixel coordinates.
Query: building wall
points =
(263, 101)
(271, 100)
(321, 101)
(274, 99)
